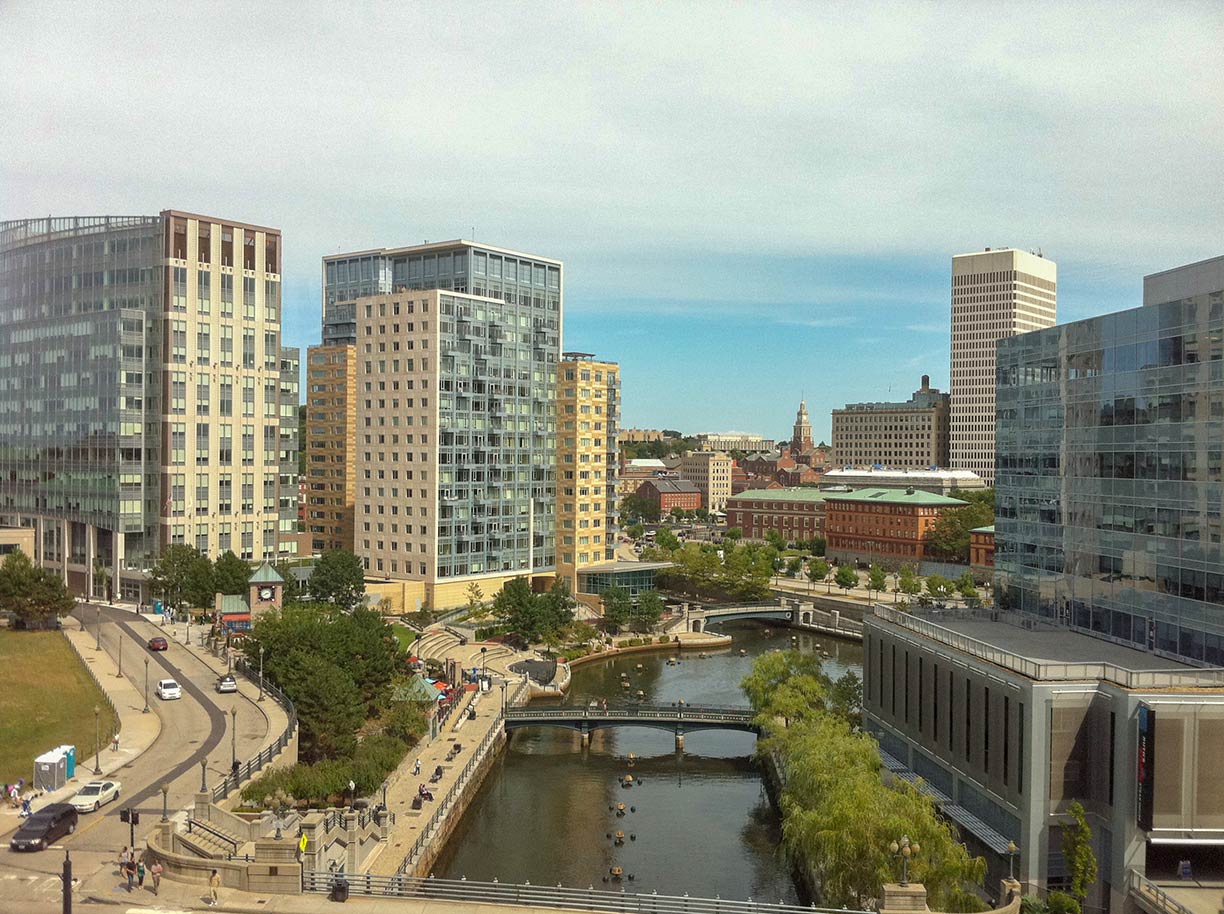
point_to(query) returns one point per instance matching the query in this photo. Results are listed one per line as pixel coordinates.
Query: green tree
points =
(102, 579)
(793, 566)
(846, 698)
(702, 514)
(939, 588)
(775, 539)
(818, 570)
(231, 574)
(475, 599)
(558, 606)
(967, 588)
(1062, 903)
(647, 611)
(616, 607)
(291, 591)
(734, 534)
(818, 545)
(338, 578)
(200, 590)
(1078, 857)
(33, 595)
(908, 582)
(846, 578)
(328, 702)
(517, 608)
(666, 540)
(636, 531)
(948, 538)
(171, 576)
(363, 643)
(876, 579)
(638, 508)
(786, 684)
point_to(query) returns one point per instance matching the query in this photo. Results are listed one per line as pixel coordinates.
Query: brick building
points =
(797, 514)
(881, 525)
(982, 547)
(671, 493)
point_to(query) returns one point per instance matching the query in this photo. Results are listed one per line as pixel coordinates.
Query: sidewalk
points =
(137, 731)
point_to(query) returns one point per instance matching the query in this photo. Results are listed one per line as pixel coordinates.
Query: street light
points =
(203, 776)
(896, 586)
(187, 641)
(146, 694)
(904, 850)
(261, 695)
(98, 627)
(165, 789)
(484, 666)
(98, 739)
(1012, 850)
(233, 738)
(504, 684)
(120, 673)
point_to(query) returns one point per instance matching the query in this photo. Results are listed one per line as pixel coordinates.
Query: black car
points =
(45, 827)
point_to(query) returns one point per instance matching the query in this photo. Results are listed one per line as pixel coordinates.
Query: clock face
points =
(265, 593)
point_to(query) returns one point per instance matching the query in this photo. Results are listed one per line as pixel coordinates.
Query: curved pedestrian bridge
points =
(677, 719)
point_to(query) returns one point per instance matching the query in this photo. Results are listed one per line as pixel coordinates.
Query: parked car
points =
(158, 644)
(168, 690)
(45, 827)
(227, 683)
(95, 794)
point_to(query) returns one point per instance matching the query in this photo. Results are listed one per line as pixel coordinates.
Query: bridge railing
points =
(544, 896)
(1153, 894)
(688, 712)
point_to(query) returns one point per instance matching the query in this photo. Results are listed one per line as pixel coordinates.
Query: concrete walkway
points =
(137, 730)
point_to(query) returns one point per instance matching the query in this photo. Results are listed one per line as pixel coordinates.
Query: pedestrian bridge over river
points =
(677, 719)
(790, 611)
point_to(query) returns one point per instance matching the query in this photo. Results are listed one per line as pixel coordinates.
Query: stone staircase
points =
(212, 841)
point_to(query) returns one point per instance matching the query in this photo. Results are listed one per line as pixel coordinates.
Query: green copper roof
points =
(897, 497)
(266, 574)
(792, 494)
(989, 529)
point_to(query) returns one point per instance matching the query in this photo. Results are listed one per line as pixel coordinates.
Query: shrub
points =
(1061, 903)
(325, 782)
(663, 639)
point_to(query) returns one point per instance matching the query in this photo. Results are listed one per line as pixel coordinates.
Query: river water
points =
(701, 821)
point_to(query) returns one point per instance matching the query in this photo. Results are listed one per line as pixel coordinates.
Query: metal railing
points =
(216, 834)
(429, 829)
(1146, 889)
(98, 682)
(689, 713)
(250, 768)
(544, 896)
(1048, 670)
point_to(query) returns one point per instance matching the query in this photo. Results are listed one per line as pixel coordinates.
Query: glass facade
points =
(1110, 476)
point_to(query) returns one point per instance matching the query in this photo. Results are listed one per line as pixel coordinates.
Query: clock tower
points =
(801, 443)
(266, 589)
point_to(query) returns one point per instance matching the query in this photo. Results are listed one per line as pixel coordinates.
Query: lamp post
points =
(120, 673)
(1012, 850)
(484, 665)
(504, 684)
(98, 628)
(233, 738)
(261, 695)
(165, 789)
(146, 690)
(97, 739)
(904, 850)
(203, 776)
(187, 640)
(896, 586)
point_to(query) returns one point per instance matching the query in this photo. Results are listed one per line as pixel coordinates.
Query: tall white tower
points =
(995, 294)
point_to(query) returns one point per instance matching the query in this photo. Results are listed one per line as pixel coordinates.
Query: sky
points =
(755, 202)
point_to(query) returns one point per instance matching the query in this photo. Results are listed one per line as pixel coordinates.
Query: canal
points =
(700, 823)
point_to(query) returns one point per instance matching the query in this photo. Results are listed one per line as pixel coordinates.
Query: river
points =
(702, 822)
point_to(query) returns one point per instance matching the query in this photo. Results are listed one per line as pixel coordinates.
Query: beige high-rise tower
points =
(995, 294)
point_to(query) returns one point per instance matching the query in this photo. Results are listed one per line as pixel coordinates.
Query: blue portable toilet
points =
(70, 755)
(157, 607)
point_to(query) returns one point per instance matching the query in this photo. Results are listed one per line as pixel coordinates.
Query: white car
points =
(168, 689)
(95, 794)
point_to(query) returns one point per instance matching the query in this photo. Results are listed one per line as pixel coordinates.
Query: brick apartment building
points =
(671, 493)
(881, 525)
(797, 514)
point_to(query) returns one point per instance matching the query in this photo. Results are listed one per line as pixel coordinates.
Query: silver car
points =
(227, 683)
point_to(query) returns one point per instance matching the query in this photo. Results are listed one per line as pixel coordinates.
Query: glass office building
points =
(1110, 476)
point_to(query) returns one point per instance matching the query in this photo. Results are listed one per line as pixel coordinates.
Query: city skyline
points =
(783, 221)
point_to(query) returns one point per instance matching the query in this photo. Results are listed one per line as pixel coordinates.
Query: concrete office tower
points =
(710, 471)
(141, 393)
(331, 440)
(995, 294)
(588, 408)
(456, 421)
(911, 434)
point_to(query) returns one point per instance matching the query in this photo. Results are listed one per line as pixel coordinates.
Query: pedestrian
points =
(14, 796)
(416, 767)
(124, 857)
(140, 874)
(214, 883)
(129, 870)
(155, 871)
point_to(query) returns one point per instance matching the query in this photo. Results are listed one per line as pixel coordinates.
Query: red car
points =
(158, 644)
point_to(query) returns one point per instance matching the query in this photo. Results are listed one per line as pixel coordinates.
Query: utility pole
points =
(66, 879)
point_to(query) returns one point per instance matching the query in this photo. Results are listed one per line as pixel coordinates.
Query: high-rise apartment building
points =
(331, 439)
(710, 471)
(910, 434)
(995, 295)
(290, 447)
(456, 447)
(588, 410)
(141, 392)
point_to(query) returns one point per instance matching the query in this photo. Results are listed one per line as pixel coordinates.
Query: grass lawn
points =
(47, 699)
(405, 636)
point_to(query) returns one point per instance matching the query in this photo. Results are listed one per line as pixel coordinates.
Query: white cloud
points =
(633, 140)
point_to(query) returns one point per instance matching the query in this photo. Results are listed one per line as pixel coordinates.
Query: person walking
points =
(140, 874)
(156, 872)
(214, 884)
(124, 857)
(129, 869)
(416, 767)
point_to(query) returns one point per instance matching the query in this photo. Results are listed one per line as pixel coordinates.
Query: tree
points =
(846, 578)
(786, 684)
(557, 606)
(33, 595)
(176, 573)
(846, 698)
(818, 545)
(647, 611)
(616, 607)
(967, 588)
(517, 608)
(939, 588)
(876, 579)
(328, 703)
(102, 578)
(817, 570)
(775, 539)
(636, 531)
(734, 534)
(907, 581)
(702, 514)
(1078, 857)
(338, 578)
(231, 574)
(200, 590)
(666, 540)
(793, 566)
(291, 592)
(949, 537)
(475, 599)
(637, 508)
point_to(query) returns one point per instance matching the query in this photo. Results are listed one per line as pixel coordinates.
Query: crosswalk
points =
(27, 885)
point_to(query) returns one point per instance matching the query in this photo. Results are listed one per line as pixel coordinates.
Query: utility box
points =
(51, 770)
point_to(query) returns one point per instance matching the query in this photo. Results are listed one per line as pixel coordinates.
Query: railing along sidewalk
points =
(251, 767)
(1145, 888)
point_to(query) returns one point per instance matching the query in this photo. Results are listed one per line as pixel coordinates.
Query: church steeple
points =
(802, 437)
